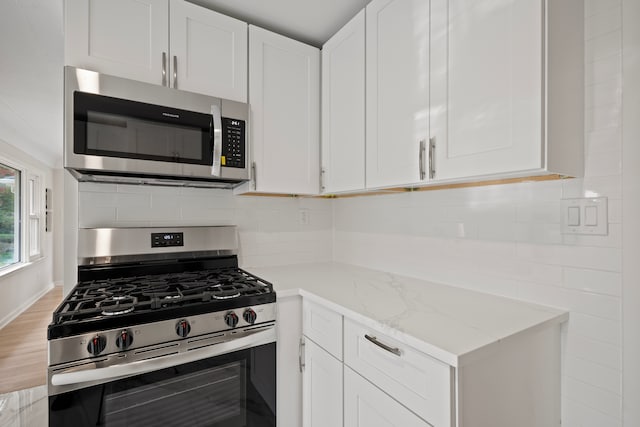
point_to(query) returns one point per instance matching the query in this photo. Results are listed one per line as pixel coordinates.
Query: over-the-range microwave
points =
(126, 131)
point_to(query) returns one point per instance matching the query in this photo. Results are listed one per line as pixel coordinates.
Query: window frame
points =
(34, 212)
(26, 174)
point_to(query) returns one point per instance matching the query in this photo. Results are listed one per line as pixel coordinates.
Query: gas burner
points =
(117, 305)
(110, 289)
(219, 296)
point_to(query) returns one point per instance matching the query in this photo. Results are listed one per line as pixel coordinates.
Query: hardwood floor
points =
(23, 345)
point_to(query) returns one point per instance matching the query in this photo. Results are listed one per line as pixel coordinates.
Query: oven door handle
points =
(143, 366)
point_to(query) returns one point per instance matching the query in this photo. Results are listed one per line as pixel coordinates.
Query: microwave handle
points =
(217, 139)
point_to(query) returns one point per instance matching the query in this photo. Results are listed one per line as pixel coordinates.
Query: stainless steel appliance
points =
(120, 130)
(163, 328)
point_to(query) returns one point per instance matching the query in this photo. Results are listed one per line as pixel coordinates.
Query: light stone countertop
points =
(25, 408)
(451, 324)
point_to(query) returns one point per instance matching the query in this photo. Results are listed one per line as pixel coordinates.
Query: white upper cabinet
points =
(343, 97)
(284, 93)
(167, 42)
(493, 110)
(397, 91)
(124, 38)
(208, 52)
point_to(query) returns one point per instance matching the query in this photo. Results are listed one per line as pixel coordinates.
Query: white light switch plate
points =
(585, 216)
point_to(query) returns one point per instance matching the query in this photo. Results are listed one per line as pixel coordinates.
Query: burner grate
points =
(122, 296)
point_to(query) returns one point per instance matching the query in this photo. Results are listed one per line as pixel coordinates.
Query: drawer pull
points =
(394, 350)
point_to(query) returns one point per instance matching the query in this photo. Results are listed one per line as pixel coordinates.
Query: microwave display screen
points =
(112, 127)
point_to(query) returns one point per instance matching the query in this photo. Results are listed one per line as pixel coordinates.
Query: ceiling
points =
(310, 21)
(32, 52)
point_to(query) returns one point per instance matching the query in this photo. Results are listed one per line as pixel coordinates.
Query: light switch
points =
(586, 216)
(591, 216)
(573, 218)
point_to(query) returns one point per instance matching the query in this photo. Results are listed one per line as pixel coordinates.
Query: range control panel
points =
(161, 240)
(233, 143)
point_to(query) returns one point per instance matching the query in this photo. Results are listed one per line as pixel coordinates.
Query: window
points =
(35, 214)
(9, 215)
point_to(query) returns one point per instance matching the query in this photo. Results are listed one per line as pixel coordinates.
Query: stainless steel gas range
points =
(163, 328)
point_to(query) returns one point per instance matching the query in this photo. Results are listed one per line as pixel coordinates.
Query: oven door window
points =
(233, 390)
(112, 127)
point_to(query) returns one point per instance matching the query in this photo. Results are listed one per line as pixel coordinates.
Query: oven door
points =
(236, 389)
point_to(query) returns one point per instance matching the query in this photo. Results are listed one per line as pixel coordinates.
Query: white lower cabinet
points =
(322, 387)
(365, 405)
(363, 375)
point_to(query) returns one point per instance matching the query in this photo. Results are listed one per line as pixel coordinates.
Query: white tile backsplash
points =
(596, 328)
(269, 229)
(578, 414)
(604, 69)
(599, 399)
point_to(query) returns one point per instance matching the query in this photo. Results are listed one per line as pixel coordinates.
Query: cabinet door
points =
(365, 405)
(343, 77)
(322, 388)
(487, 85)
(284, 93)
(397, 91)
(209, 51)
(125, 38)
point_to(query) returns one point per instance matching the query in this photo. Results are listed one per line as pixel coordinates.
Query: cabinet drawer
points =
(323, 326)
(421, 383)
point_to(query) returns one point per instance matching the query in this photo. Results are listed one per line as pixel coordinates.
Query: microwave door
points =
(217, 139)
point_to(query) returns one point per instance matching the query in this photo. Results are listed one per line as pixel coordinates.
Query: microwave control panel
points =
(233, 143)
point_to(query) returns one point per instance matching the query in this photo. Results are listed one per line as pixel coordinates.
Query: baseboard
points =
(15, 313)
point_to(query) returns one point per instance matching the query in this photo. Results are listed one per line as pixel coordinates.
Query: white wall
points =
(22, 287)
(631, 209)
(269, 227)
(506, 240)
(58, 213)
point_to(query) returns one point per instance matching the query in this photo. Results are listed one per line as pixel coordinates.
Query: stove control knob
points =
(124, 339)
(96, 345)
(231, 319)
(183, 328)
(249, 316)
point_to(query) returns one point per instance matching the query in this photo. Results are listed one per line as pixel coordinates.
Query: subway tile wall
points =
(507, 240)
(269, 229)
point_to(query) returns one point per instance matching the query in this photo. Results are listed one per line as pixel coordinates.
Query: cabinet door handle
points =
(175, 72)
(432, 160)
(301, 354)
(322, 172)
(255, 177)
(394, 350)
(164, 68)
(421, 151)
